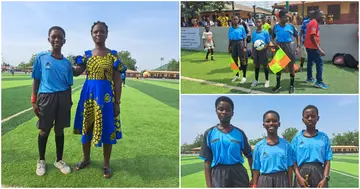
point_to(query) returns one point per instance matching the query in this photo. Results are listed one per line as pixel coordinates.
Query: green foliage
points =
(186, 147)
(350, 138)
(173, 65)
(193, 8)
(70, 57)
(125, 57)
(198, 140)
(289, 133)
(254, 141)
(22, 66)
(197, 143)
(5, 64)
(31, 61)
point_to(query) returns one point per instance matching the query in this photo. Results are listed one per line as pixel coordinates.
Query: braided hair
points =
(98, 22)
(56, 28)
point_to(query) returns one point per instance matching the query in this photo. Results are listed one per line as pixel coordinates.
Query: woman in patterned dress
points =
(97, 116)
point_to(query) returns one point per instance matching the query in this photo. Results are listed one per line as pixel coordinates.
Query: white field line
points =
(224, 85)
(19, 113)
(352, 176)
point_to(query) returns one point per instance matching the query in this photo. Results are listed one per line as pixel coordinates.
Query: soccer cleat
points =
(312, 80)
(267, 84)
(292, 90)
(243, 80)
(62, 166)
(41, 168)
(321, 85)
(276, 89)
(235, 79)
(254, 83)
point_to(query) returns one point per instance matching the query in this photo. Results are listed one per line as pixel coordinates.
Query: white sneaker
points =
(243, 80)
(41, 168)
(235, 78)
(267, 84)
(63, 167)
(254, 83)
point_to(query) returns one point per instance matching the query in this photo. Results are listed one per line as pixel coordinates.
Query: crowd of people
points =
(281, 35)
(225, 21)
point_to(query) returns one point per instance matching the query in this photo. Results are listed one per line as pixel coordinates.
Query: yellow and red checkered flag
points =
(233, 66)
(279, 62)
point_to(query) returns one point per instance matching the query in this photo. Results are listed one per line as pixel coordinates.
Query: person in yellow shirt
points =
(224, 20)
(266, 26)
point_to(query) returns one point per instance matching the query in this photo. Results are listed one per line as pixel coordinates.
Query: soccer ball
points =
(259, 45)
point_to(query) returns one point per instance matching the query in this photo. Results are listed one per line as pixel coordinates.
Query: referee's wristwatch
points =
(327, 178)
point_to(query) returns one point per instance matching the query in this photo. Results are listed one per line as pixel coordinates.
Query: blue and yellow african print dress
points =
(96, 104)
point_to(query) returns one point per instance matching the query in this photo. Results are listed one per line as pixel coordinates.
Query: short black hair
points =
(271, 112)
(224, 99)
(311, 14)
(311, 107)
(283, 12)
(56, 28)
(98, 22)
(317, 12)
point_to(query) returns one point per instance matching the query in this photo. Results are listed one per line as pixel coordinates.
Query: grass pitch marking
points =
(224, 85)
(341, 173)
(19, 113)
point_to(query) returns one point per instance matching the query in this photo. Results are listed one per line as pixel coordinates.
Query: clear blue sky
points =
(149, 30)
(338, 114)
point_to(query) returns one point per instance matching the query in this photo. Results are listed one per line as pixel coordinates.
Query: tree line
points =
(190, 9)
(350, 138)
(125, 57)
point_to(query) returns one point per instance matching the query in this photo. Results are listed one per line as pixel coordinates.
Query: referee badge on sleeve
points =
(48, 65)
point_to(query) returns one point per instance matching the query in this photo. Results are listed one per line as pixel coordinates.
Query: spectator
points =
(12, 71)
(266, 26)
(210, 22)
(303, 53)
(203, 21)
(194, 22)
(183, 23)
(314, 51)
(223, 20)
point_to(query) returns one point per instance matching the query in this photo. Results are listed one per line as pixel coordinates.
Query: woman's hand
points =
(116, 109)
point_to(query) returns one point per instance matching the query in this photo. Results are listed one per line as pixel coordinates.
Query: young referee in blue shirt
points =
(283, 37)
(272, 157)
(51, 98)
(222, 149)
(237, 47)
(311, 153)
